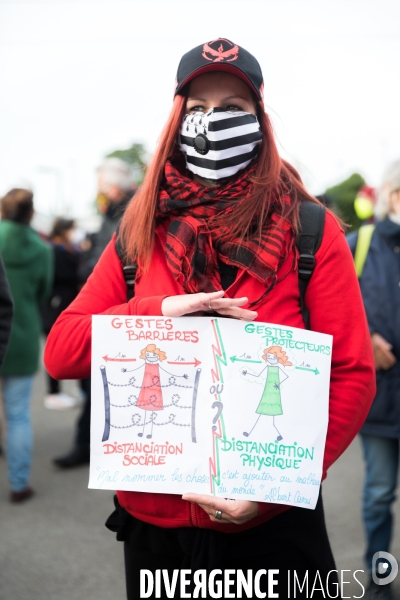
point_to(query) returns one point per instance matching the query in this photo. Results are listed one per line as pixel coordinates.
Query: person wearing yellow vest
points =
(364, 206)
(376, 249)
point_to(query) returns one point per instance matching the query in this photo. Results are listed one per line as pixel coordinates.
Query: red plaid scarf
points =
(194, 245)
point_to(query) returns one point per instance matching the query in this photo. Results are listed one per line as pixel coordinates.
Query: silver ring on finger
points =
(209, 305)
(218, 514)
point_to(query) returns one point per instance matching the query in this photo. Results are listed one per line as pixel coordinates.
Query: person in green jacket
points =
(28, 264)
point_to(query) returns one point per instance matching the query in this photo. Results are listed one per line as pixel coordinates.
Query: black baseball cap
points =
(220, 55)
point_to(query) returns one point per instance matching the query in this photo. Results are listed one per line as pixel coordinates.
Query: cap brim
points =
(224, 67)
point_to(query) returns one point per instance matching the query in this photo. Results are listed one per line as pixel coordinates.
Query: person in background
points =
(380, 434)
(65, 288)
(115, 187)
(364, 204)
(6, 313)
(29, 268)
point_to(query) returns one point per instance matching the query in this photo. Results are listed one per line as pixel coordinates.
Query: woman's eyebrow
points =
(235, 97)
(196, 99)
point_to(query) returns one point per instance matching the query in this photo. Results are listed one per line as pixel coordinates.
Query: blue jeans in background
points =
(381, 461)
(17, 393)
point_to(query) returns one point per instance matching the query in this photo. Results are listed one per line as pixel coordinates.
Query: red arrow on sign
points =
(195, 363)
(108, 359)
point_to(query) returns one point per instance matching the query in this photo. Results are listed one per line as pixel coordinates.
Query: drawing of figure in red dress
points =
(150, 396)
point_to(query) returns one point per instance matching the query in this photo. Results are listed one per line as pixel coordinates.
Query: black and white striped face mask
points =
(219, 143)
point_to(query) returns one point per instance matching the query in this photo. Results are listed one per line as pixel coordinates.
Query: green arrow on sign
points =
(312, 370)
(235, 359)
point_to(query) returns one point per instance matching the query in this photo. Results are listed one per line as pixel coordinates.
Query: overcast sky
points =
(79, 79)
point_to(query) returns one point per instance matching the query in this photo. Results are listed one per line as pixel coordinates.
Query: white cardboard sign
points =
(209, 405)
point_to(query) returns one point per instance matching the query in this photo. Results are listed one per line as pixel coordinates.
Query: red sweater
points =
(333, 299)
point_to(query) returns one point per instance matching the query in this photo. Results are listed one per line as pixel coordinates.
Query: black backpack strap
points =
(312, 219)
(129, 270)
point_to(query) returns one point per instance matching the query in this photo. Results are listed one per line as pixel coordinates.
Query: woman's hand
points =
(384, 357)
(233, 511)
(176, 306)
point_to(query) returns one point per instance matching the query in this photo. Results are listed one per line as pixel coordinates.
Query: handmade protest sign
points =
(209, 405)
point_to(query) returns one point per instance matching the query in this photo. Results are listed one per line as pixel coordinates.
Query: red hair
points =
(273, 179)
(279, 353)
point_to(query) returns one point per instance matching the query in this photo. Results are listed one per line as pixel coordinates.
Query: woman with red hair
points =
(213, 229)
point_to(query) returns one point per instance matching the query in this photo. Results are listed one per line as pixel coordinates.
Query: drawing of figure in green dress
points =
(271, 401)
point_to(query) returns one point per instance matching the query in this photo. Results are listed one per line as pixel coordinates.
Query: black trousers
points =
(295, 543)
(82, 433)
(53, 385)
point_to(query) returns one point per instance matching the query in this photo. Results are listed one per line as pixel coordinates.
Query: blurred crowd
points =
(40, 275)
(45, 273)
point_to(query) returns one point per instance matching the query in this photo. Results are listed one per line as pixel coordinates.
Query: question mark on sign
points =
(219, 406)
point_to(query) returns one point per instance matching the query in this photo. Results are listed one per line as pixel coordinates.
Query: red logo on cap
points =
(220, 51)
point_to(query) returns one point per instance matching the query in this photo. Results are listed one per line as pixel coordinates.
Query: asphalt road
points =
(55, 546)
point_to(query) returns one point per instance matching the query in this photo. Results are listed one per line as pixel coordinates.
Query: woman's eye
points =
(233, 108)
(197, 108)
